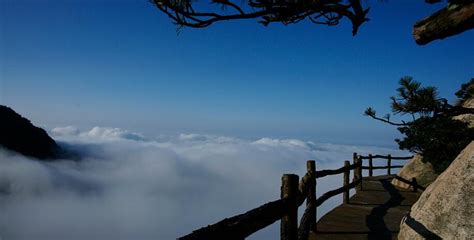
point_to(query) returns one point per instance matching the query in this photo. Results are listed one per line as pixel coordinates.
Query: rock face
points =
(18, 134)
(423, 172)
(469, 118)
(416, 168)
(446, 207)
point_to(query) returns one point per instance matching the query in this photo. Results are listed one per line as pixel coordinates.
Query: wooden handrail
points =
(413, 183)
(243, 225)
(382, 167)
(335, 192)
(324, 173)
(386, 157)
(389, 159)
(293, 194)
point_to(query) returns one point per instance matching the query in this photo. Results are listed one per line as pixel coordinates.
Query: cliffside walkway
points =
(374, 212)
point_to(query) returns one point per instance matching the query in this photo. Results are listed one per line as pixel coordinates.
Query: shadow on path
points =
(375, 220)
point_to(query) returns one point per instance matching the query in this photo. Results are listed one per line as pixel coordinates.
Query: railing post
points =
(359, 171)
(346, 182)
(311, 169)
(415, 184)
(389, 164)
(289, 223)
(315, 228)
(370, 166)
(354, 161)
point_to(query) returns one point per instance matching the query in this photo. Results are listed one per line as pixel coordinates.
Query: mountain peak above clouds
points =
(20, 135)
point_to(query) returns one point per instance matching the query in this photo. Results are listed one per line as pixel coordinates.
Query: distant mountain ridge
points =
(19, 134)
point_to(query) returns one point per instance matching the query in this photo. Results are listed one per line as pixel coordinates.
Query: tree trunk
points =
(447, 22)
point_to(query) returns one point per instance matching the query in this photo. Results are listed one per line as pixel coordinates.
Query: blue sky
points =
(122, 64)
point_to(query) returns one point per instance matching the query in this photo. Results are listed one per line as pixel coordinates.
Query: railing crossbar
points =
(243, 225)
(381, 167)
(386, 157)
(324, 173)
(335, 192)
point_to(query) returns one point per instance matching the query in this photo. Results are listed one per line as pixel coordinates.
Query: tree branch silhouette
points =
(326, 12)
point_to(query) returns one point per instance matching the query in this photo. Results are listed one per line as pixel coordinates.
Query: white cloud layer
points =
(130, 187)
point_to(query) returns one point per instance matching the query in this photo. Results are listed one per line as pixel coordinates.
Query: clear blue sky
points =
(122, 64)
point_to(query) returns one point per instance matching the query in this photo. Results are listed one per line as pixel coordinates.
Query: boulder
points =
(446, 207)
(416, 168)
(469, 118)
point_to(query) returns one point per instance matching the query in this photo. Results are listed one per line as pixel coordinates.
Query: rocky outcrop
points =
(18, 134)
(447, 206)
(469, 118)
(416, 168)
(424, 172)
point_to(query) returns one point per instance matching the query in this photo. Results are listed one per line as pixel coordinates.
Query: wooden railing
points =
(389, 166)
(293, 194)
(412, 183)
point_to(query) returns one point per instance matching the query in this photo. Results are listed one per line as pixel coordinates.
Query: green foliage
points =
(466, 91)
(415, 99)
(370, 112)
(432, 132)
(438, 140)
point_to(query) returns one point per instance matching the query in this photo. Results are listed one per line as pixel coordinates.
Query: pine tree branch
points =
(388, 121)
(327, 12)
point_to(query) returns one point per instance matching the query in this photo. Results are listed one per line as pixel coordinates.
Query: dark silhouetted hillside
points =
(18, 134)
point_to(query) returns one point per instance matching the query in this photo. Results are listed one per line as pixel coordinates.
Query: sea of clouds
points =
(130, 186)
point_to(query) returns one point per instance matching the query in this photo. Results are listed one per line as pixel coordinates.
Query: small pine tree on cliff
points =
(431, 131)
